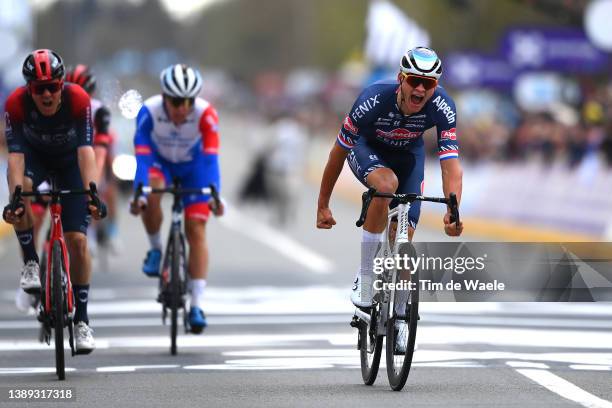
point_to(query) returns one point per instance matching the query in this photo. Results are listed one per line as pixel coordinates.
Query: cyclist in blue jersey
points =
(177, 136)
(382, 140)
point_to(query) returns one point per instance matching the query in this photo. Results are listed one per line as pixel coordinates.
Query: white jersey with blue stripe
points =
(375, 116)
(176, 144)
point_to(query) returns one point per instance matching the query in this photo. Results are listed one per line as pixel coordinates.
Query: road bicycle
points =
(174, 277)
(376, 322)
(57, 306)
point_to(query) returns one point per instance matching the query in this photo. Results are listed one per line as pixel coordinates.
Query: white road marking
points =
(129, 369)
(30, 370)
(590, 367)
(276, 240)
(212, 320)
(564, 388)
(526, 364)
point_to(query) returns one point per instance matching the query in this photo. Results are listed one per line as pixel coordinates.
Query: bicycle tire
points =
(398, 370)
(175, 288)
(58, 309)
(370, 347)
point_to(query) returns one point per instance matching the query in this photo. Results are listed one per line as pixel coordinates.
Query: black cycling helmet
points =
(82, 75)
(43, 65)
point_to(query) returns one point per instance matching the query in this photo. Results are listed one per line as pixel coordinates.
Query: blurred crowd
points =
(566, 134)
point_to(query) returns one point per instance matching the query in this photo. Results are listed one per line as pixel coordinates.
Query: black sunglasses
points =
(178, 101)
(40, 88)
(416, 80)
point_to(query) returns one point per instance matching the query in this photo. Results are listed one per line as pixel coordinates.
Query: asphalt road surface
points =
(279, 331)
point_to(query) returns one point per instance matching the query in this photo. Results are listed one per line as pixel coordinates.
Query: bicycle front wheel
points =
(175, 288)
(402, 329)
(370, 347)
(58, 309)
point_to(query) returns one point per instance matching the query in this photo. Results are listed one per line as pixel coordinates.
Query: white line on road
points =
(590, 367)
(130, 369)
(526, 364)
(564, 388)
(212, 320)
(276, 240)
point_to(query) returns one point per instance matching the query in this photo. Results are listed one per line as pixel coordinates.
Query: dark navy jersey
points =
(376, 117)
(54, 136)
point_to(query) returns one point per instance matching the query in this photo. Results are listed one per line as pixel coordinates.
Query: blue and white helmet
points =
(181, 81)
(421, 61)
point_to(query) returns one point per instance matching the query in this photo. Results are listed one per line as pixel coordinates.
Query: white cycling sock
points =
(197, 292)
(370, 245)
(155, 240)
(401, 298)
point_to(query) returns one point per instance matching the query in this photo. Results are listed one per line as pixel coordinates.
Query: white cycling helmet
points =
(421, 61)
(181, 81)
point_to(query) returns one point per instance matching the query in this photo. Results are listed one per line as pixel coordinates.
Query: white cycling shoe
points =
(362, 293)
(25, 302)
(30, 277)
(83, 338)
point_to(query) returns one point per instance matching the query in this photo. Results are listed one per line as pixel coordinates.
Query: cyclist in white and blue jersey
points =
(382, 140)
(177, 136)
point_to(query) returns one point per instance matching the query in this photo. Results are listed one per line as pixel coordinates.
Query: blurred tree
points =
(246, 36)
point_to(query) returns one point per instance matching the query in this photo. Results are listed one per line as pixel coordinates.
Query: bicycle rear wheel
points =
(175, 288)
(370, 347)
(398, 360)
(58, 309)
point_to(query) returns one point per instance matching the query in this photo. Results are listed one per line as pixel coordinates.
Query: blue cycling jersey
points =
(376, 117)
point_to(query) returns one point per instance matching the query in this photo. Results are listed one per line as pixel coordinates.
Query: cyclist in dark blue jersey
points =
(382, 140)
(48, 130)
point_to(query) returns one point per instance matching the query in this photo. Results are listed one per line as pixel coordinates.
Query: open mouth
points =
(47, 104)
(415, 99)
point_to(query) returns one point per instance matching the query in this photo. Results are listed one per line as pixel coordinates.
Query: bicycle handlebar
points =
(177, 190)
(92, 192)
(366, 200)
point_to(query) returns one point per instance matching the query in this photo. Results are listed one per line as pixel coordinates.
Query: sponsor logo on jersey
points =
(398, 134)
(446, 109)
(450, 134)
(348, 125)
(364, 107)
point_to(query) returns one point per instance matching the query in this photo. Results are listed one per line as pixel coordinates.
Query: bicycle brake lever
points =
(454, 207)
(366, 199)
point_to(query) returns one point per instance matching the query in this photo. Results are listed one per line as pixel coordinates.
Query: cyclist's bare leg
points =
(383, 180)
(80, 261)
(195, 230)
(80, 274)
(152, 216)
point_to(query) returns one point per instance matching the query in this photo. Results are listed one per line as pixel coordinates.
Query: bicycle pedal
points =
(83, 352)
(354, 322)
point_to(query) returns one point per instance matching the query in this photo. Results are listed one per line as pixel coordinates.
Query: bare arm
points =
(332, 171)
(16, 170)
(452, 182)
(100, 152)
(87, 165)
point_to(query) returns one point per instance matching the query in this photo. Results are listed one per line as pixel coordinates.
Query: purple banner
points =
(556, 49)
(470, 69)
